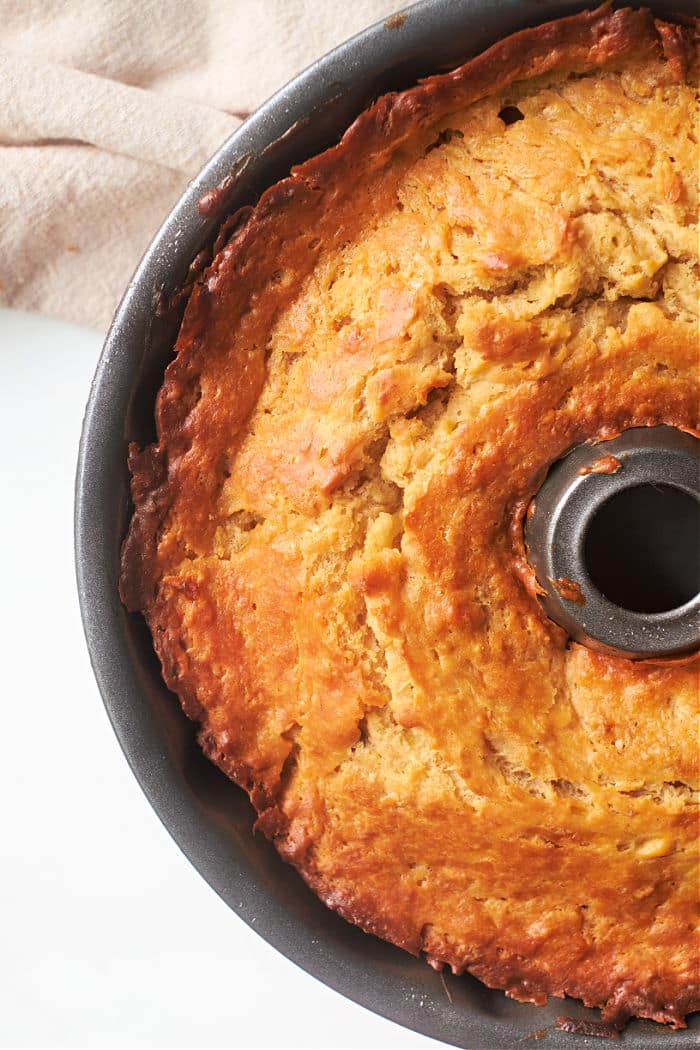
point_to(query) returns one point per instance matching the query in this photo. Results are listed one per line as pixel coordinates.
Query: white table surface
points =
(108, 937)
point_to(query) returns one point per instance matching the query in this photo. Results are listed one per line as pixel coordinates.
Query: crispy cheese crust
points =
(370, 382)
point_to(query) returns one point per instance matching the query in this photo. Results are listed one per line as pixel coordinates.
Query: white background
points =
(108, 937)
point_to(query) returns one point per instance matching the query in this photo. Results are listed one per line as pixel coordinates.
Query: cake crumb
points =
(604, 465)
(601, 1029)
(569, 590)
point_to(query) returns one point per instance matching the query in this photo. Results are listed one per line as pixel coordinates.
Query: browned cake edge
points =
(323, 192)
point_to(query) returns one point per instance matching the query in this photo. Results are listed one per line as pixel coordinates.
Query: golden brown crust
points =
(324, 182)
(371, 380)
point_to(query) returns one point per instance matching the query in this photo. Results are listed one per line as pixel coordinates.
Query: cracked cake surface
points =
(371, 380)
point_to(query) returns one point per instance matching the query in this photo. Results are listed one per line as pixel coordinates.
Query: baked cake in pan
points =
(371, 379)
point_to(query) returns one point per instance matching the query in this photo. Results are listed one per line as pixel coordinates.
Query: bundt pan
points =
(207, 815)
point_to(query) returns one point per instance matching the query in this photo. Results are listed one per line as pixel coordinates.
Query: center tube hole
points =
(642, 548)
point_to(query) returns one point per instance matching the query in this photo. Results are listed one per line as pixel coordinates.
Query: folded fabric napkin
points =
(108, 108)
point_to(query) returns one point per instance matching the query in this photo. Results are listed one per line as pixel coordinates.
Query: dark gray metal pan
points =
(209, 818)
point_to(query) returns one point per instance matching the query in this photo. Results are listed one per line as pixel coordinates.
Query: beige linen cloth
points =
(109, 107)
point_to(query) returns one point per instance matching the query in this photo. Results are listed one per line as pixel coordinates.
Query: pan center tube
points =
(613, 536)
